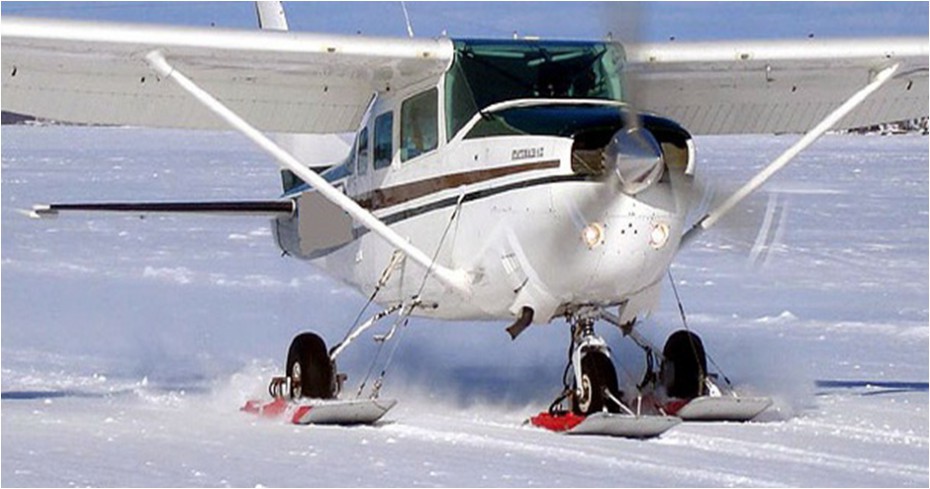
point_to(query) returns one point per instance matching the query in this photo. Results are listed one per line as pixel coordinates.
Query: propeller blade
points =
(625, 25)
(633, 154)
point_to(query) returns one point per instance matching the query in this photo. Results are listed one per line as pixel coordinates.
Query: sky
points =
(657, 21)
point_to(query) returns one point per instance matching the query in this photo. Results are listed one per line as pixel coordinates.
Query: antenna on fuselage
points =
(403, 5)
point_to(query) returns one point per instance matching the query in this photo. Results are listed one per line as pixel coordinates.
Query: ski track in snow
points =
(129, 344)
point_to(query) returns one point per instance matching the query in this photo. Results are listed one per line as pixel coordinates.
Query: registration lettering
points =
(526, 153)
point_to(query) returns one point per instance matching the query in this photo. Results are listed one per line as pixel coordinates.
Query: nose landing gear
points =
(594, 401)
(593, 387)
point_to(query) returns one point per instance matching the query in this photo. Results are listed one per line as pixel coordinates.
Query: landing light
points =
(659, 235)
(592, 235)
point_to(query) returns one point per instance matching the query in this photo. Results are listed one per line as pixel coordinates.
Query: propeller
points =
(755, 227)
(633, 153)
(625, 21)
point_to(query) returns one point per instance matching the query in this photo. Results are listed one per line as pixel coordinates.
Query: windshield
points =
(487, 72)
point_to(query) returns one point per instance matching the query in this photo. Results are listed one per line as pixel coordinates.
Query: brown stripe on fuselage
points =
(391, 196)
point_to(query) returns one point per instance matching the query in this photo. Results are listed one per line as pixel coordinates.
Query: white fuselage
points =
(519, 172)
(510, 211)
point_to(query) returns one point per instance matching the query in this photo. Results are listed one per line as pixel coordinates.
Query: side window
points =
(351, 160)
(419, 124)
(363, 158)
(384, 148)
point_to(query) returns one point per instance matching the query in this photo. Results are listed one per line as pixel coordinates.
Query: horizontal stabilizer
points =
(259, 208)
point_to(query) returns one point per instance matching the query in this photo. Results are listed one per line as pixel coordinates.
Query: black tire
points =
(597, 374)
(685, 365)
(309, 367)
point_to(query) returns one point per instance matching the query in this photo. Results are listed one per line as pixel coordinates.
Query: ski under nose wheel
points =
(310, 368)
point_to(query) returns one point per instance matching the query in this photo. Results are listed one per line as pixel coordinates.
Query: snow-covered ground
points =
(129, 344)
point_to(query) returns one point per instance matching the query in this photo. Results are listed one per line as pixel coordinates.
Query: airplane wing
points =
(297, 82)
(776, 86)
(94, 73)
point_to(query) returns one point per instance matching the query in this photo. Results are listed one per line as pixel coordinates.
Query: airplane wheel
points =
(309, 367)
(685, 365)
(597, 374)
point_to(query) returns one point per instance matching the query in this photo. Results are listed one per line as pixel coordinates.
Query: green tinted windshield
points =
(487, 72)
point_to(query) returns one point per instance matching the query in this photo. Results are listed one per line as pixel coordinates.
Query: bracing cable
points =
(404, 317)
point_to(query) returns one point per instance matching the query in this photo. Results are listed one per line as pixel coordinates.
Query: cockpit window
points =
(419, 124)
(384, 147)
(364, 157)
(488, 72)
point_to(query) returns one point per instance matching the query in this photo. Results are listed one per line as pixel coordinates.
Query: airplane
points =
(523, 181)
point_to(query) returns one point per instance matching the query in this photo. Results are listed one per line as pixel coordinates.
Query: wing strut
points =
(814, 134)
(456, 279)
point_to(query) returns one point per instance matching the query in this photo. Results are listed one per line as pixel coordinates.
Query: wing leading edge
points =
(94, 73)
(777, 86)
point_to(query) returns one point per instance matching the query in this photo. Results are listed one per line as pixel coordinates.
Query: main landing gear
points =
(310, 391)
(308, 394)
(686, 389)
(682, 389)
